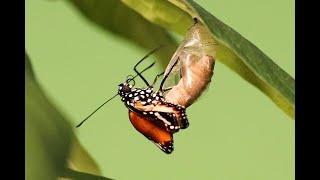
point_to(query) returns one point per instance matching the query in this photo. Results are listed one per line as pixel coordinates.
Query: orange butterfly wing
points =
(155, 132)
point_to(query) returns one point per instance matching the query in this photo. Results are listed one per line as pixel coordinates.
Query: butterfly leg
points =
(156, 78)
(167, 89)
(167, 75)
(135, 67)
(140, 75)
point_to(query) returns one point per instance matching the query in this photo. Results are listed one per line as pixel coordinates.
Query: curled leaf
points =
(49, 136)
(76, 175)
(117, 18)
(233, 50)
(250, 62)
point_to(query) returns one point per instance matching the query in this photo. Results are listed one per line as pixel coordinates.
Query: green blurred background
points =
(235, 131)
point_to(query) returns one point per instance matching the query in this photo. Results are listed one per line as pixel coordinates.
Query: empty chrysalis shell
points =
(196, 60)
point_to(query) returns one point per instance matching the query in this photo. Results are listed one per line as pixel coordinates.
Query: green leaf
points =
(79, 159)
(162, 13)
(49, 136)
(250, 62)
(76, 175)
(115, 17)
(233, 50)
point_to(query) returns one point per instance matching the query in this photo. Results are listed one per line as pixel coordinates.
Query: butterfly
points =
(149, 112)
(152, 115)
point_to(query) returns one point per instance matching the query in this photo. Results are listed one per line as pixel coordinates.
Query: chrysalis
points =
(196, 60)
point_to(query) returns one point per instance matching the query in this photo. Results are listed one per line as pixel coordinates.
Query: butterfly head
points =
(124, 89)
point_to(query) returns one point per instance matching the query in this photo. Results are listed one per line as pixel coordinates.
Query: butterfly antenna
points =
(139, 73)
(145, 57)
(96, 110)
